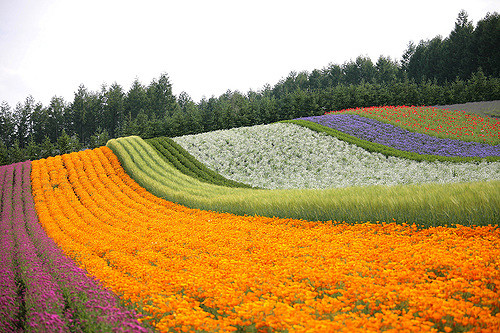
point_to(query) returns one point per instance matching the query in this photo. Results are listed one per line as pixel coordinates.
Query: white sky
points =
(50, 47)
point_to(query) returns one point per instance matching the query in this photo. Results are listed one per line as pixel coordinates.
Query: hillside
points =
(355, 180)
(131, 238)
(284, 155)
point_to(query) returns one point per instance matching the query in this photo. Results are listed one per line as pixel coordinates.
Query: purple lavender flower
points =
(402, 139)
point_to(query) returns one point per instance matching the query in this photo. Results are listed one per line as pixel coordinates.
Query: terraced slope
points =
(428, 204)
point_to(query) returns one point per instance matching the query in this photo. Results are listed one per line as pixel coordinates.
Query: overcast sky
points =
(49, 47)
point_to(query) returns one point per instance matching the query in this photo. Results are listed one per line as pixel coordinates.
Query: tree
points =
(64, 143)
(486, 42)
(40, 120)
(4, 153)
(15, 153)
(99, 138)
(240, 109)
(32, 150)
(315, 80)
(96, 102)
(56, 118)
(47, 148)
(161, 100)
(407, 55)
(191, 113)
(426, 60)
(114, 109)
(23, 120)
(387, 70)
(361, 70)
(207, 108)
(136, 100)
(291, 83)
(7, 125)
(79, 112)
(459, 53)
(435, 60)
(332, 75)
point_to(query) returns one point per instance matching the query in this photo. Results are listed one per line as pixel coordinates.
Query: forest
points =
(463, 67)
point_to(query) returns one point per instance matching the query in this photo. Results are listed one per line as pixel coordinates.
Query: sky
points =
(50, 47)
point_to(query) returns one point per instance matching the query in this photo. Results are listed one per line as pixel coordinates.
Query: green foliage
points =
(4, 153)
(462, 53)
(32, 151)
(56, 111)
(47, 148)
(428, 205)
(178, 157)
(7, 125)
(15, 153)
(114, 110)
(99, 139)
(64, 143)
(162, 102)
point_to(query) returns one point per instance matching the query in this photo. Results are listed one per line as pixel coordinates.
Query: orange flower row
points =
(187, 269)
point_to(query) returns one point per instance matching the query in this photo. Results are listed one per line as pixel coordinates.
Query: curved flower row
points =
(42, 290)
(188, 269)
(436, 122)
(402, 139)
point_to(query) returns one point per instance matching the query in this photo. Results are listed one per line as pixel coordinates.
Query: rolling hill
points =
(395, 238)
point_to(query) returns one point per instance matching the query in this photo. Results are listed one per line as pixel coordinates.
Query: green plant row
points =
(181, 159)
(386, 150)
(473, 203)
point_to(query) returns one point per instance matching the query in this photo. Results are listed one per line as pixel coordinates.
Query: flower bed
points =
(447, 124)
(188, 269)
(285, 155)
(42, 289)
(402, 139)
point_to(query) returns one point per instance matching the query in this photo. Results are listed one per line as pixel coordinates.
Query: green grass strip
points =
(383, 149)
(181, 159)
(473, 203)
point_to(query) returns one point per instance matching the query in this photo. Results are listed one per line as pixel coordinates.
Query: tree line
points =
(463, 67)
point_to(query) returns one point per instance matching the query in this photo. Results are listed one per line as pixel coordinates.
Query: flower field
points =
(42, 290)
(192, 270)
(186, 163)
(436, 122)
(429, 204)
(285, 155)
(144, 236)
(393, 136)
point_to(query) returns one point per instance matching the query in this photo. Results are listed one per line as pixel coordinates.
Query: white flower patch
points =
(282, 155)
